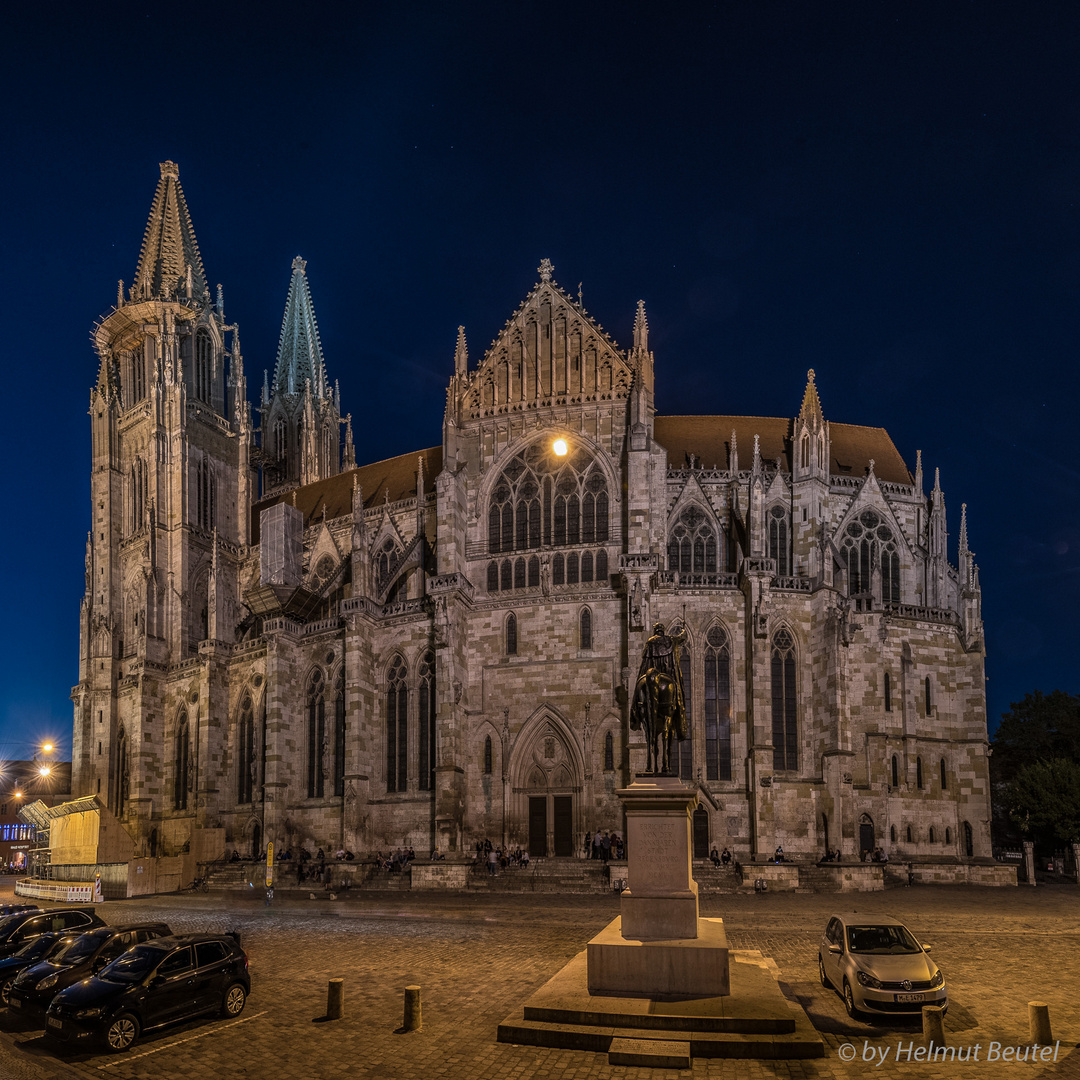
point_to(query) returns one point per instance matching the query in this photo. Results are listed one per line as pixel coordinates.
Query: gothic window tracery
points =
(692, 546)
(138, 376)
(339, 733)
(487, 755)
(281, 439)
(205, 494)
(182, 763)
(426, 770)
(778, 541)
(316, 735)
(609, 752)
(867, 543)
(511, 635)
(204, 366)
(397, 735)
(717, 705)
(138, 495)
(386, 560)
(585, 628)
(245, 747)
(785, 729)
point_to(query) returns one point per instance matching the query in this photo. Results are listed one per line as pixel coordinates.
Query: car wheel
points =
(233, 1003)
(5, 989)
(821, 974)
(122, 1032)
(849, 1002)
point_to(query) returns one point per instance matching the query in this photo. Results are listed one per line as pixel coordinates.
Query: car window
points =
(83, 946)
(178, 961)
(209, 952)
(33, 927)
(145, 934)
(133, 965)
(830, 930)
(881, 940)
(119, 944)
(71, 918)
(44, 944)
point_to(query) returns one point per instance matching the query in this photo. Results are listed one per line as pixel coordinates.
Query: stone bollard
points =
(412, 1009)
(335, 999)
(1039, 1023)
(933, 1024)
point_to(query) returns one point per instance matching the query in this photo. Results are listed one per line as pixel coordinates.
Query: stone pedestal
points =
(659, 947)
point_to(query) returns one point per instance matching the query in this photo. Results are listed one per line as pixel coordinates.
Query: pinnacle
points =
(811, 405)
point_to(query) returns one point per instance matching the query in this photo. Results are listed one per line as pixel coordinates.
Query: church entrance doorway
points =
(564, 826)
(701, 833)
(866, 834)
(546, 771)
(537, 826)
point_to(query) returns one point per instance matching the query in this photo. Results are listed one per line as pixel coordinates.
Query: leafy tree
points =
(1044, 799)
(1040, 729)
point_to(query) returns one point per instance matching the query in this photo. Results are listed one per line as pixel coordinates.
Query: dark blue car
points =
(162, 982)
(33, 952)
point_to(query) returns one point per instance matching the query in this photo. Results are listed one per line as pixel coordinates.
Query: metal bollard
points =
(412, 1020)
(335, 999)
(933, 1024)
(1039, 1023)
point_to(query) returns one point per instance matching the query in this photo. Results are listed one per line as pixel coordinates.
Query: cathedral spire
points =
(350, 449)
(300, 355)
(810, 412)
(169, 262)
(963, 530)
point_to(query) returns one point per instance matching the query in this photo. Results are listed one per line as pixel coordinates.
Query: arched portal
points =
(867, 842)
(546, 771)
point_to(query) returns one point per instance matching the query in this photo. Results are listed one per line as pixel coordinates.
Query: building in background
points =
(429, 650)
(23, 783)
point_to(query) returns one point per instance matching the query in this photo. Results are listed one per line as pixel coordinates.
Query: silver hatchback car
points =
(878, 967)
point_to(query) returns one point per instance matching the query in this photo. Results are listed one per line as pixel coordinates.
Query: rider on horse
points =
(658, 692)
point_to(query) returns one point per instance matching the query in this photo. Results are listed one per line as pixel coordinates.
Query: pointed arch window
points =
(426, 741)
(944, 779)
(888, 692)
(138, 495)
(181, 763)
(543, 499)
(339, 733)
(717, 705)
(585, 628)
(511, 635)
(386, 560)
(316, 735)
(683, 765)
(120, 788)
(895, 772)
(785, 728)
(909, 840)
(281, 440)
(866, 543)
(397, 734)
(205, 494)
(918, 773)
(609, 752)
(805, 444)
(245, 751)
(929, 700)
(692, 544)
(204, 366)
(778, 541)
(487, 756)
(138, 376)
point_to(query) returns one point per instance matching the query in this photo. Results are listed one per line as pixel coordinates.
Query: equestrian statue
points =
(658, 706)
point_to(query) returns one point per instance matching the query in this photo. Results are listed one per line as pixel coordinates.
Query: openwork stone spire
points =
(300, 355)
(641, 328)
(170, 264)
(811, 405)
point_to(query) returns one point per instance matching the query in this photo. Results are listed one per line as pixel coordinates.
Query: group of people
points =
(723, 859)
(395, 861)
(496, 858)
(875, 855)
(604, 846)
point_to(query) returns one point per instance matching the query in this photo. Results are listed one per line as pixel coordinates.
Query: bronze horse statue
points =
(658, 709)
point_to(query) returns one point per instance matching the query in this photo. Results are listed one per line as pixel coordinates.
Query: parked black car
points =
(88, 954)
(16, 930)
(34, 951)
(11, 909)
(166, 980)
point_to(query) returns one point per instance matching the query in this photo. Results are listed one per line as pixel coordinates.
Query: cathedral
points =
(280, 643)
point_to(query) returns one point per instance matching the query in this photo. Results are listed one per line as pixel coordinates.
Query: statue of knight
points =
(658, 705)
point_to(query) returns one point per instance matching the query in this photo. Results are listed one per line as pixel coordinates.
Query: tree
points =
(1040, 729)
(1044, 799)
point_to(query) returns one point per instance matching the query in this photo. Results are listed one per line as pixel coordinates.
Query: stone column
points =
(1029, 861)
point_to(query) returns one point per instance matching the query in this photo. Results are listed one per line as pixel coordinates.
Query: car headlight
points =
(49, 980)
(869, 980)
(88, 1014)
(938, 978)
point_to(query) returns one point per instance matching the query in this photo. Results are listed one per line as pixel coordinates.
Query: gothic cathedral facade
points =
(277, 643)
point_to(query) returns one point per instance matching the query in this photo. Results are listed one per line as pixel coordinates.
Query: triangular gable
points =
(870, 497)
(693, 494)
(550, 351)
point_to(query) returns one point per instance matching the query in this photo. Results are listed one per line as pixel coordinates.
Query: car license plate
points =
(907, 999)
(52, 1022)
(15, 1003)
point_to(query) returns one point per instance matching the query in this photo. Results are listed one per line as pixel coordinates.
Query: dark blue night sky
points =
(888, 192)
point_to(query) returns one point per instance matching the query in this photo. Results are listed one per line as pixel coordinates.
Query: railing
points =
(793, 584)
(647, 561)
(442, 583)
(697, 581)
(926, 614)
(321, 626)
(756, 565)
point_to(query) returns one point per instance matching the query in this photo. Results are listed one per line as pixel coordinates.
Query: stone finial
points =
(461, 353)
(545, 269)
(641, 328)
(120, 293)
(170, 168)
(734, 451)
(871, 467)
(810, 410)
(299, 264)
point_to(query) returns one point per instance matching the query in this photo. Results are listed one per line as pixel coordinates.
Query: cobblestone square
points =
(477, 957)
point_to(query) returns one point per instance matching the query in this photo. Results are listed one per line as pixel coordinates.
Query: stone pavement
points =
(476, 958)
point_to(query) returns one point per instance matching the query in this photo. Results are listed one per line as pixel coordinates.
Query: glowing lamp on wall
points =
(559, 447)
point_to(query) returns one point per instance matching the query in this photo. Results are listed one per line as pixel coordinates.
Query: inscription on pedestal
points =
(659, 859)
